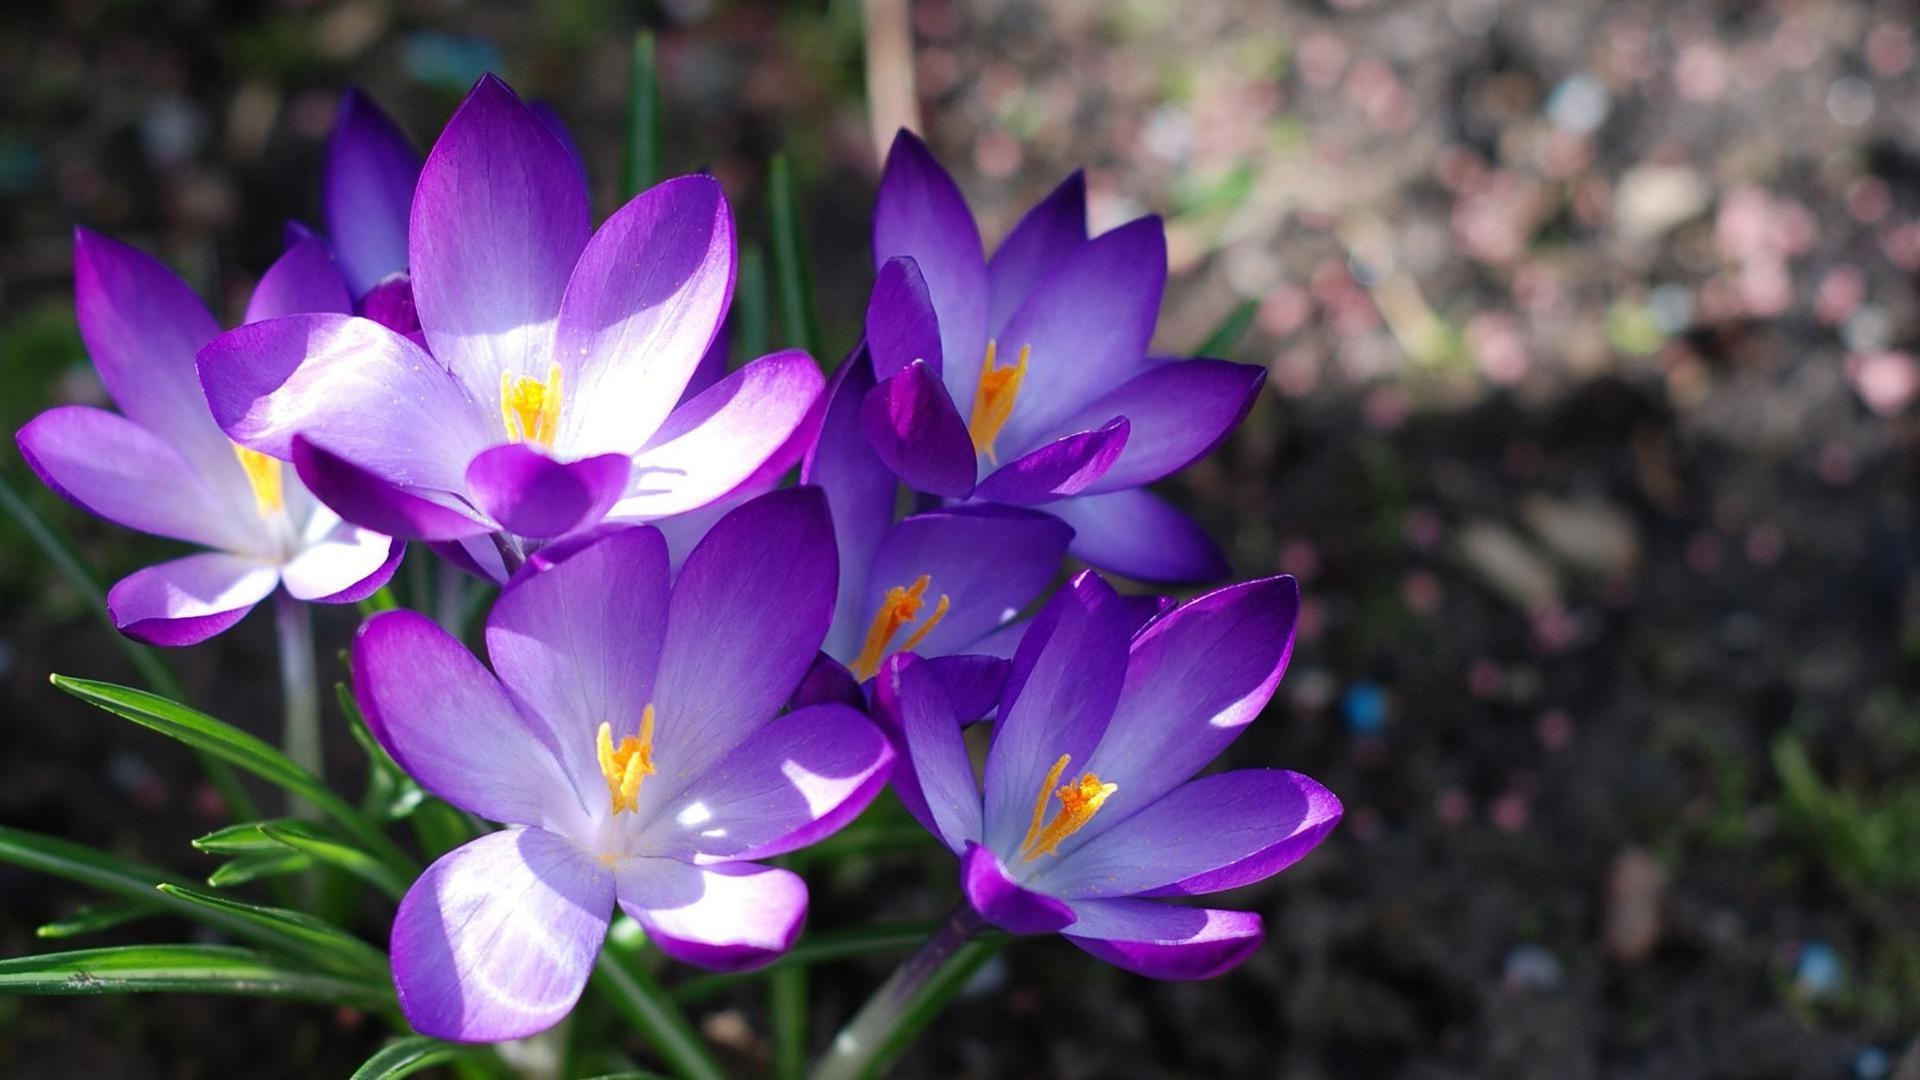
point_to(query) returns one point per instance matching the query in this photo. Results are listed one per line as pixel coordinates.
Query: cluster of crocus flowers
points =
(691, 669)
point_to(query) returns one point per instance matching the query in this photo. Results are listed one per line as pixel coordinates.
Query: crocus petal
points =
(187, 601)
(1058, 469)
(445, 719)
(550, 116)
(499, 219)
(1060, 691)
(1195, 678)
(917, 431)
(713, 444)
(748, 612)
(367, 191)
(350, 386)
(390, 303)
(920, 213)
(576, 641)
(974, 683)
(711, 369)
(531, 494)
(1054, 227)
(1162, 941)
(1140, 535)
(828, 682)
(912, 701)
(497, 938)
(729, 917)
(793, 783)
(1219, 831)
(1178, 412)
(901, 324)
(990, 562)
(860, 492)
(367, 500)
(345, 566)
(1004, 903)
(118, 470)
(474, 555)
(1088, 322)
(640, 310)
(303, 279)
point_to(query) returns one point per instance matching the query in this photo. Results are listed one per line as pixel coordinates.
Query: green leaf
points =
(813, 949)
(247, 838)
(750, 303)
(640, 168)
(259, 865)
(638, 997)
(93, 918)
(1228, 333)
(318, 940)
(304, 838)
(404, 1057)
(204, 969)
(792, 275)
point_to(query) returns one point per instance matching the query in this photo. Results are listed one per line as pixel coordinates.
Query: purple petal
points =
(974, 683)
(550, 116)
(447, 722)
(531, 494)
(991, 563)
(367, 191)
(499, 218)
(793, 783)
(114, 468)
(711, 369)
(901, 324)
(1088, 322)
(1162, 941)
(720, 440)
(345, 566)
(371, 502)
(496, 940)
(1049, 232)
(1060, 691)
(828, 682)
(1140, 535)
(920, 213)
(301, 281)
(1178, 412)
(187, 601)
(1058, 469)
(860, 492)
(640, 311)
(917, 431)
(935, 777)
(729, 917)
(994, 894)
(577, 641)
(1217, 832)
(390, 304)
(1195, 678)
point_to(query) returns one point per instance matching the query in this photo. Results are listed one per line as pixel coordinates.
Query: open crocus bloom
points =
(1089, 805)
(548, 400)
(629, 730)
(162, 465)
(1026, 380)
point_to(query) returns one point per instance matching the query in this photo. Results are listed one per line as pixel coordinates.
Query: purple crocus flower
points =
(557, 356)
(366, 194)
(162, 466)
(628, 730)
(1089, 807)
(1026, 380)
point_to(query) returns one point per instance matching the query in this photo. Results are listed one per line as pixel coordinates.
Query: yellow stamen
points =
(626, 765)
(994, 397)
(901, 606)
(263, 473)
(1079, 801)
(530, 408)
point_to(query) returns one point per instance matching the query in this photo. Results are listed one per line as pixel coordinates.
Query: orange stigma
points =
(900, 608)
(627, 764)
(994, 398)
(530, 408)
(263, 475)
(1079, 801)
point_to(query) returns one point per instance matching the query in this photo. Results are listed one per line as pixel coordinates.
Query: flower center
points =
(994, 397)
(531, 408)
(1079, 801)
(627, 764)
(263, 475)
(901, 606)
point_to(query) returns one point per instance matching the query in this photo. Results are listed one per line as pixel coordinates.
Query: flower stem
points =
(512, 556)
(911, 997)
(640, 998)
(299, 688)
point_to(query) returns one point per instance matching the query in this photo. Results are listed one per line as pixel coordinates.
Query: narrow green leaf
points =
(638, 997)
(247, 838)
(94, 918)
(750, 315)
(204, 969)
(404, 1057)
(813, 949)
(304, 838)
(932, 997)
(641, 166)
(258, 866)
(382, 600)
(320, 941)
(792, 274)
(1229, 331)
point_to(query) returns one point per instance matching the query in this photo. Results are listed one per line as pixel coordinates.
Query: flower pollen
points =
(994, 398)
(901, 607)
(627, 764)
(530, 408)
(263, 475)
(1079, 801)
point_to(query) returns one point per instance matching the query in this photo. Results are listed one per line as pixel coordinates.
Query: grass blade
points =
(94, 918)
(792, 274)
(641, 166)
(322, 942)
(201, 969)
(407, 1056)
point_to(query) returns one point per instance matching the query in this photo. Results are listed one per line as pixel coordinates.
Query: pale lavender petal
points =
(390, 304)
(793, 783)
(1195, 679)
(918, 433)
(447, 722)
(901, 324)
(370, 501)
(935, 776)
(1064, 467)
(187, 601)
(301, 281)
(530, 494)
(116, 469)
(1140, 535)
(496, 940)
(920, 213)
(1002, 901)
(474, 555)
(1177, 413)
(860, 492)
(1060, 691)
(643, 305)
(1049, 232)
(367, 191)
(1162, 941)
(345, 566)
(720, 440)
(990, 562)
(711, 369)
(727, 917)
(499, 218)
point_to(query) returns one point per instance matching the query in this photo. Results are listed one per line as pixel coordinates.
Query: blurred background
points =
(1588, 432)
